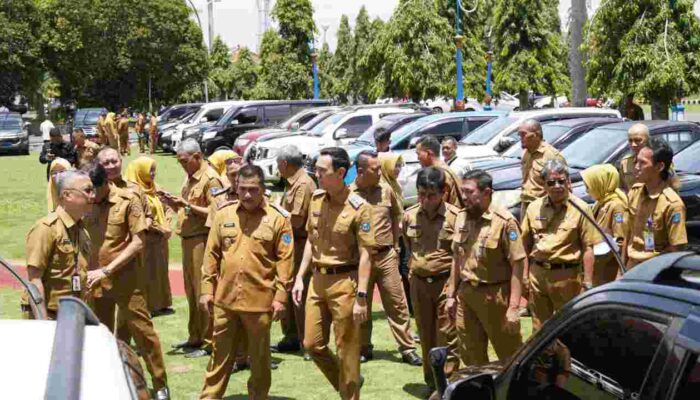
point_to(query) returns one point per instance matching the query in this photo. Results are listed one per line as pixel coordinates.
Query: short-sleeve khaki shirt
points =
(558, 236)
(488, 245)
(199, 190)
(429, 239)
(52, 245)
(452, 194)
(627, 179)
(297, 198)
(248, 260)
(665, 212)
(532, 164)
(337, 230)
(614, 218)
(385, 212)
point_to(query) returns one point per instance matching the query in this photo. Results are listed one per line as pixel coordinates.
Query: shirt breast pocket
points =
(65, 252)
(264, 234)
(445, 239)
(490, 245)
(341, 228)
(115, 223)
(229, 236)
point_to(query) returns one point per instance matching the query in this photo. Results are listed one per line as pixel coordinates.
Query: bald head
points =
(530, 132)
(637, 137)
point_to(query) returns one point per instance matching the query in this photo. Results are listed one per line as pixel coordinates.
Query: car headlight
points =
(241, 142)
(507, 198)
(270, 153)
(209, 135)
(190, 132)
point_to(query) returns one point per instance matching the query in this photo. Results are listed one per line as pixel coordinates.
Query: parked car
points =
(252, 115)
(86, 119)
(14, 137)
(292, 124)
(634, 338)
(172, 113)
(209, 112)
(166, 130)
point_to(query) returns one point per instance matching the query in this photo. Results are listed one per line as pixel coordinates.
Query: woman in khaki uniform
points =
(110, 128)
(217, 160)
(611, 212)
(142, 171)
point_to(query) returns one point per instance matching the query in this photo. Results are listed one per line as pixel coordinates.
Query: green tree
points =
(527, 50)
(220, 72)
(362, 40)
(406, 62)
(324, 59)
(20, 53)
(341, 69)
(646, 47)
(245, 74)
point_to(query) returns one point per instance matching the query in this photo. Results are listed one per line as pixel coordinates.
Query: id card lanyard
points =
(649, 235)
(75, 278)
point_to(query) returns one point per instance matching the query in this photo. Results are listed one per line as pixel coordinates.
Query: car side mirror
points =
(341, 133)
(504, 143)
(234, 122)
(203, 120)
(295, 126)
(414, 142)
(478, 387)
(26, 125)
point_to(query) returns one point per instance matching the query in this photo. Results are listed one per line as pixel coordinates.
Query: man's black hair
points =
(430, 178)
(382, 135)
(483, 179)
(251, 171)
(661, 152)
(362, 158)
(96, 172)
(339, 158)
(430, 143)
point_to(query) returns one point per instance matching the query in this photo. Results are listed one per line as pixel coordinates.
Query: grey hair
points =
(533, 124)
(291, 154)
(449, 139)
(554, 165)
(189, 146)
(66, 180)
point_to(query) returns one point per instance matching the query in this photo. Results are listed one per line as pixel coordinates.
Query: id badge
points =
(649, 241)
(76, 283)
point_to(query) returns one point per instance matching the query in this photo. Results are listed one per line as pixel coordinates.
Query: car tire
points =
(437, 110)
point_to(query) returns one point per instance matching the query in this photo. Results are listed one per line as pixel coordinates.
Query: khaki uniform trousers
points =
(550, 290)
(605, 269)
(124, 147)
(132, 308)
(199, 324)
(330, 300)
(434, 326)
(385, 273)
(152, 138)
(481, 316)
(230, 327)
(293, 320)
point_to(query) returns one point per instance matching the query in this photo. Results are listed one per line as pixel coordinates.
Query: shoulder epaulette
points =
(355, 201)
(50, 218)
(672, 195)
(450, 208)
(280, 210)
(318, 192)
(218, 191)
(226, 204)
(503, 213)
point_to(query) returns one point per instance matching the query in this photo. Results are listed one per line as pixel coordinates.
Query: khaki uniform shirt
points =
(154, 126)
(52, 246)
(662, 215)
(86, 153)
(198, 190)
(123, 126)
(613, 217)
(558, 236)
(489, 245)
(429, 240)
(110, 128)
(112, 225)
(337, 230)
(626, 169)
(385, 210)
(140, 123)
(100, 127)
(249, 256)
(297, 198)
(452, 195)
(532, 164)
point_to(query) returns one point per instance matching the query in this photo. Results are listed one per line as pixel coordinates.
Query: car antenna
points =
(600, 230)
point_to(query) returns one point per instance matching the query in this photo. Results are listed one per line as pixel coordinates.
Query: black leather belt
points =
(555, 266)
(336, 269)
(482, 283)
(434, 278)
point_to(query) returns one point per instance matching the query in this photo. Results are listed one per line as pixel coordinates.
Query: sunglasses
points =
(560, 182)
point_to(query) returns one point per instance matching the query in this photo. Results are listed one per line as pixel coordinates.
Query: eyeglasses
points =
(237, 160)
(560, 182)
(87, 192)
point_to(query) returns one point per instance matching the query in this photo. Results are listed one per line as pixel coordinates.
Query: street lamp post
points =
(314, 63)
(459, 40)
(210, 21)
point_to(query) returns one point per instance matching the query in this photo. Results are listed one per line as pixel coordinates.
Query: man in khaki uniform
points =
(193, 209)
(100, 128)
(84, 149)
(247, 272)
(58, 246)
(138, 127)
(110, 128)
(153, 134)
(559, 241)
(116, 228)
(657, 211)
(449, 150)
(123, 131)
(428, 151)
(487, 274)
(428, 228)
(637, 138)
(338, 252)
(296, 200)
(386, 220)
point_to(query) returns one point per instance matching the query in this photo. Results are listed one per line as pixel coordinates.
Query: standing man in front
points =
(428, 152)
(657, 211)
(140, 124)
(192, 212)
(116, 228)
(386, 220)
(559, 242)
(487, 274)
(296, 200)
(246, 276)
(338, 252)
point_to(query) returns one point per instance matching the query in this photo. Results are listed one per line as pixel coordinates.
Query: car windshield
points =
(10, 123)
(400, 133)
(319, 129)
(488, 131)
(87, 118)
(688, 160)
(368, 136)
(551, 134)
(224, 120)
(315, 121)
(594, 147)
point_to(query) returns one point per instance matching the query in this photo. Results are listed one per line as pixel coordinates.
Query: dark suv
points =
(14, 137)
(635, 338)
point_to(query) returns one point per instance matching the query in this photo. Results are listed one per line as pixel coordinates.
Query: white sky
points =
(237, 20)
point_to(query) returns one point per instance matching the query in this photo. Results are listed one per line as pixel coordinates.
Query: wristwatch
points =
(188, 209)
(361, 295)
(106, 271)
(588, 285)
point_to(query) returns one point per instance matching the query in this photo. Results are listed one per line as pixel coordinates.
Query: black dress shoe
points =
(198, 353)
(185, 345)
(307, 357)
(412, 358)
(274, 365)
(366, 356)
(239, 366)
(286, 346)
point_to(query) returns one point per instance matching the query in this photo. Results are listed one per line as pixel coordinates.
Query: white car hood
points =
(475, 151)
(306, 144)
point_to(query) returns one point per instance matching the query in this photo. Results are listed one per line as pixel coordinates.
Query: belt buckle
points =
(474, 283)
(323, 270)
(429, 279)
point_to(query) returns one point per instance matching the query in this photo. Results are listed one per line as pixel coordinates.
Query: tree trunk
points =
(576, 56)
(524, 100)
(659, 108)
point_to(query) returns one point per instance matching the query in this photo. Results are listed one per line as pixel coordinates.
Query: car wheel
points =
(437, 110)
(469, 109)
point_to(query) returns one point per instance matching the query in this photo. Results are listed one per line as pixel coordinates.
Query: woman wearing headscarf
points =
(142, 171)
(110, 127)
(611, 212)
(57, 165)
(217, 160)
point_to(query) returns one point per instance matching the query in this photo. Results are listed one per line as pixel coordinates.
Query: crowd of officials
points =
(312, 259)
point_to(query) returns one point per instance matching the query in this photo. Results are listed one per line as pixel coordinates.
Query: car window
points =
(473, 124)
(604, 355)
(443, 129)
(213, 114)
(11, 123)
(356, 125)
(247, 116)
(368, 135)
(687, 160)
(327, 123)
(689, 384)
(595, 147)
(680, 139)
(488, 131)
(277, 113)
(305, 118)
(315, 121)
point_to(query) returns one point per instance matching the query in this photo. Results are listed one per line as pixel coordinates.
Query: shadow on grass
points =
(417, 390)
(387, 355)
(245, 396)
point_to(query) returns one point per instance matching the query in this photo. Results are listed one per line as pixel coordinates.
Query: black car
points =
(635, 338)
(86, 119)
(14, 137)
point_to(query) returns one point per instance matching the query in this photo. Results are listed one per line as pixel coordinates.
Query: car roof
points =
(463, 114)
(399, 117)
(563, 110)
(576, 122)
(651, 124)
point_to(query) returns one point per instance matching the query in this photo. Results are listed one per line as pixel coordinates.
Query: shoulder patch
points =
(676, 218)
(280, 210)
(365, 227)
(287, 238)
(226, 204)
(512, 235)
(355, 201)
(619, 218)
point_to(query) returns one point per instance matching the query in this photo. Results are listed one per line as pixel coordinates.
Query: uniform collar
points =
(295, 178)
(488, 214)
(202, 169)
(656, 195)
(65, 217)
(440, 211)
(263, 209)
(541, 148)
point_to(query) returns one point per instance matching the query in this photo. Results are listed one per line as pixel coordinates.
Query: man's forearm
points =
(363, 270)
(305, 261)
(588, 264)
(516, 282)
(453, 282)
(201, 211)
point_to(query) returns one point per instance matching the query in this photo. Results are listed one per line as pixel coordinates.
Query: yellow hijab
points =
(387, 162)
(603, 182)
(57, 165)
(218, 159)
(139, 172)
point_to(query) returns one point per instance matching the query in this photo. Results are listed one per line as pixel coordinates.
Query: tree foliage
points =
(325, 57)
(245, 75)
(527, 50)
(647, 47)
(20, 54)
(220, 72)
(341, 69)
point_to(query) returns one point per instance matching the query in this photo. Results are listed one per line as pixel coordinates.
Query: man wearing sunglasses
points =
(58, 246)
(559, 242)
